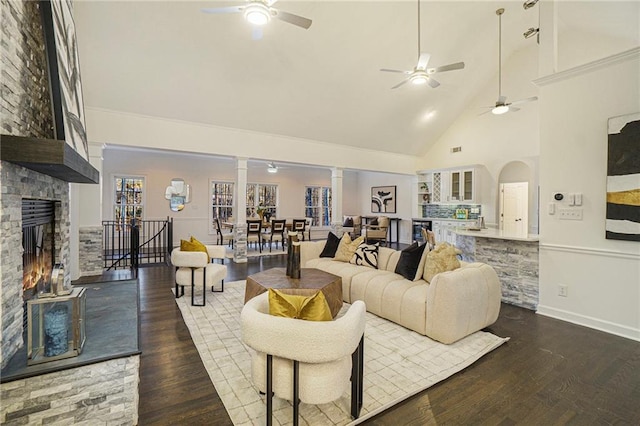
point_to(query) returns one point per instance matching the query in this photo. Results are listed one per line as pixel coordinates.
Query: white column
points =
(336, 201)
(240, 212)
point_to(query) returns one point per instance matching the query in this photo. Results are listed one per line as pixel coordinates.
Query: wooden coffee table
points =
(311, 280)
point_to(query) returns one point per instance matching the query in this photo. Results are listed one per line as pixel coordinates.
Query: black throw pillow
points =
(409, 260)
(348, 222)
(331, 245)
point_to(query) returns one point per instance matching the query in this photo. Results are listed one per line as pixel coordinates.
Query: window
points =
(317, 201)
(262, 195)
(257, 194)
(129, 198)
(221, 201)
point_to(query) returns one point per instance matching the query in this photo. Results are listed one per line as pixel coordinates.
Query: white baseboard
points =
(597, 324)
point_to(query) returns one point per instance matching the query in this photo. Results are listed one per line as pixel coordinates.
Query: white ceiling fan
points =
(260, 12)
(502, 106)
(421, 74)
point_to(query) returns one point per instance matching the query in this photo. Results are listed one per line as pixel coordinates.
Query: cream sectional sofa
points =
(453, 305)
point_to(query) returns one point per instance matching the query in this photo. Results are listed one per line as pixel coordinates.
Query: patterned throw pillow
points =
(346, 248)
(366, 255)
(441, 259)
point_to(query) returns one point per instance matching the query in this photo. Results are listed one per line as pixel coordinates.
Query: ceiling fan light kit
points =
(257, 13)
(271, 168)
(421, 75)
(501, 105)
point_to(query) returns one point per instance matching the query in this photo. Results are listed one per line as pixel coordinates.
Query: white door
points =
(514, 208)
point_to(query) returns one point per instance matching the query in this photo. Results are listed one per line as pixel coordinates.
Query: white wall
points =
(603, 276)
(159, 167)
(495, 140)
(404, 198)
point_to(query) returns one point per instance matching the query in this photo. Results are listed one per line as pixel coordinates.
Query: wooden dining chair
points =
(222, 236)
(299, 226)
(278, 226)
(254, 232)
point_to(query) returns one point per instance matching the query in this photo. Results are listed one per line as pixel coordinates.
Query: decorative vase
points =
(295, 260)
(291, 238)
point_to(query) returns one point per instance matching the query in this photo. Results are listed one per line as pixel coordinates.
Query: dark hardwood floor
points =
(550, 372)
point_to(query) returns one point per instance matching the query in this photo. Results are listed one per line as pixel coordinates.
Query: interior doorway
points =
(514, 208)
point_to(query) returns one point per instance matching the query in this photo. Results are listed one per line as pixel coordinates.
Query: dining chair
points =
(254, 232)
(299, 226)
(278, 226)
(223, 236)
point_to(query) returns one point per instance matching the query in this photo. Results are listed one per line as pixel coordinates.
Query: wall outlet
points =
(563, 290)
(570, 214)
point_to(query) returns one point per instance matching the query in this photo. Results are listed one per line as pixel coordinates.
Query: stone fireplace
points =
(18, 184)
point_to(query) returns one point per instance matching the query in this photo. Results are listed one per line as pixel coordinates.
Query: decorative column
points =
(240, 212)
(336, 201)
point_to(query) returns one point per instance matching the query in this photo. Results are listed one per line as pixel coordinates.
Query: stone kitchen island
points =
(515, 259)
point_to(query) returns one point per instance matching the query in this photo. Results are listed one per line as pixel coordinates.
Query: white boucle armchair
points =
(305, 361)
(193, 267)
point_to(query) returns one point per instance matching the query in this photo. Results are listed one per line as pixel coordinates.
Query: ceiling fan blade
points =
(521, 101)
(432, 82)
(230, 9)
(293, 19)
(256, 33)
(486, 112)
(513, 109)
(423, 60)
(450, 67)
(401, 72)
(400, 84)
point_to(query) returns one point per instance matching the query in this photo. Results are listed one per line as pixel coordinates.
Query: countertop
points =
(442, 219)
(495, 233)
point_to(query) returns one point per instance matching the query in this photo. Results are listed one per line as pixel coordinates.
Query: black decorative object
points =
(295, 260)
(291, 237)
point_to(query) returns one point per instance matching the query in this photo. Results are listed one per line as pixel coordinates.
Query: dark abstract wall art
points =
(623, 178)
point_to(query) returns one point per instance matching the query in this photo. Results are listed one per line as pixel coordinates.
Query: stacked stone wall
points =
(91, 261)
(104, 393)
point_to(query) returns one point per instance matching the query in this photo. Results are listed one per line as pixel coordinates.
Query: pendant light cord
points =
(418, 29)
(500, 12)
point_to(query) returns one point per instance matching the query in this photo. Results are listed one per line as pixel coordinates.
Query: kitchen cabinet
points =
(447, 186)
(444, 229)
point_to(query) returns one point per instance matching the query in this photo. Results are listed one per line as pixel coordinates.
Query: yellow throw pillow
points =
(310, 308)
(347, 248)
(192, 245)
(441, 259)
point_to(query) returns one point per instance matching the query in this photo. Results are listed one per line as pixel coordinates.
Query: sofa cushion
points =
(366, 255)
(343, 269)
(346, 248)
(441, 259)
(310, 308)
(411, 262)
(331, 245)
(192, 245)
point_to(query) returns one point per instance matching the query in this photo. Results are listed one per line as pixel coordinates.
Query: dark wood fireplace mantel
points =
(52, 157)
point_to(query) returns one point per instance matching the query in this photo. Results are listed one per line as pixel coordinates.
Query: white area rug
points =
(398, 363)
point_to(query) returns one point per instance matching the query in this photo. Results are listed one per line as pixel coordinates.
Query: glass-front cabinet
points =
(446, 186)
(461, 185)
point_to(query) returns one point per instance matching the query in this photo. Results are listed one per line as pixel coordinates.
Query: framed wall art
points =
(64, 74)
(383, 199)
(623, 178)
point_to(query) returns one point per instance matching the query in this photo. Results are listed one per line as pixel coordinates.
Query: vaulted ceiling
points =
(167, 59)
